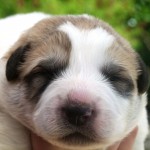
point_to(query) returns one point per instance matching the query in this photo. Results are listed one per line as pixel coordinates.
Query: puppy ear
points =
(143, 77)
(14, 62)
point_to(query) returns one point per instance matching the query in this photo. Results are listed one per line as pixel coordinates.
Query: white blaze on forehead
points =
(88, 45)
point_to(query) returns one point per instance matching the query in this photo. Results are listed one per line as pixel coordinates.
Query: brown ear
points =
(15, 60)
(143, 77)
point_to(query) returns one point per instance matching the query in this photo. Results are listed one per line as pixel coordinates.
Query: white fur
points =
(13, 136)
(78, 77)
(12, 27)
(88, 46)
(83, 75)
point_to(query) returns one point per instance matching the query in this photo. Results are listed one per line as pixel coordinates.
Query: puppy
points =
(73, 81)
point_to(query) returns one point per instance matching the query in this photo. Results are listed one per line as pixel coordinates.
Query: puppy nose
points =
(78, 115)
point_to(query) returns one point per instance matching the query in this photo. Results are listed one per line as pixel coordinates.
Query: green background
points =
(131, 18)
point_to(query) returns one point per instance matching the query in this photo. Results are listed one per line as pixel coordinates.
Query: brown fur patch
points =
(124, 56)
(47, 42)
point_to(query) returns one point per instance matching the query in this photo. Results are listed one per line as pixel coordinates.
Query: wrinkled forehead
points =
(78, 41)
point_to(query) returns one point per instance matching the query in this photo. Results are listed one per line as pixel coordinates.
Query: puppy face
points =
(74, 81)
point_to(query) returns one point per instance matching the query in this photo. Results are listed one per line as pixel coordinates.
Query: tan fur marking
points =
(46, 41)
(125, 58)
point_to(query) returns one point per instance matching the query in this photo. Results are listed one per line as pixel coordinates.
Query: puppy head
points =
(74, 81)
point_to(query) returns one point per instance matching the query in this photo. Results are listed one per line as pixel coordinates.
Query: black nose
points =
(77, 114)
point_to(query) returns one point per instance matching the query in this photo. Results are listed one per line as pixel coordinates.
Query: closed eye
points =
(39, 78)
(119, 78)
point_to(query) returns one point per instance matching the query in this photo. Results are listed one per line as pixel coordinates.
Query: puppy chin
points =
(69, 138)
(77, 141)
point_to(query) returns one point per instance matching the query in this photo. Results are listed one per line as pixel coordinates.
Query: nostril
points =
(77, 114)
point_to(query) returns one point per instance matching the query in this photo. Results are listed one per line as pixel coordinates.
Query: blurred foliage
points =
(130, 18)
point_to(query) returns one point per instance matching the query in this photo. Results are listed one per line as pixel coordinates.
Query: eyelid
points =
(119, 78)
(115, 70)
(38, 70)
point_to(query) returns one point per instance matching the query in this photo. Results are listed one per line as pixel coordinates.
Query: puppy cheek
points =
(45, 121)
(109, 125)
(113, 116)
